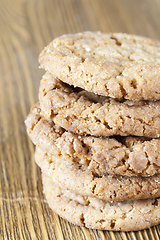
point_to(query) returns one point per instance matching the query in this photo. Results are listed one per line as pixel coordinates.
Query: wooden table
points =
(26, 26)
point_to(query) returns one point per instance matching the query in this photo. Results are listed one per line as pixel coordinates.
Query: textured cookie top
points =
(129, 156)
(109, 187)
(111, 64)
(87, 113)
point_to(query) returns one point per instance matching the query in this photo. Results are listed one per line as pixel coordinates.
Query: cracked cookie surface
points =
(130, 156)
(94, 213)
(81, 181)
(111, 64)
(86, 113)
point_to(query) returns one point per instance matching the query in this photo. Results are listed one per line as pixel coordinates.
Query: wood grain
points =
(26, 26)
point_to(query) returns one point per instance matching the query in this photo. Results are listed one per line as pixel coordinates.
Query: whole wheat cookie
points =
(81, 181)
(94, 213)
(111, 64)
(128, 156)
(86, 113)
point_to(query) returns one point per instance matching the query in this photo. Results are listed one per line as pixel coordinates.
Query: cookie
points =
(128, 156)
(111, 64)
(94, 213)
(86, 113)
(111, 188)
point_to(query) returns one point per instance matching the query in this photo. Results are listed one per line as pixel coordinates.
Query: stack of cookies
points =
(96, 129)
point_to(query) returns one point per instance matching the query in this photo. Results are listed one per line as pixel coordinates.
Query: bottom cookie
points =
(99, 214)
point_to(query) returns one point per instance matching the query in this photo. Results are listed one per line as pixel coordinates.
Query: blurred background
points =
(26, 27)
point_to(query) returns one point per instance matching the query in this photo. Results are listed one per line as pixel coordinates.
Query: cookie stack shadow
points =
(96, 129)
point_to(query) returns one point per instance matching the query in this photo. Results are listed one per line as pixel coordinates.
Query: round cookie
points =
(86, 113)
(84, 182)
(110, 64)
(99, 214)
(128, 156)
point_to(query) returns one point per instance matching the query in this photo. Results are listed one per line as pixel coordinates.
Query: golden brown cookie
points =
(99, 214)
(81, 181)
(86, 113)
(110, 64)
(129, 156)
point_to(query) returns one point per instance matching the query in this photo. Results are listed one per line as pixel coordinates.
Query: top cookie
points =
(110, 64)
